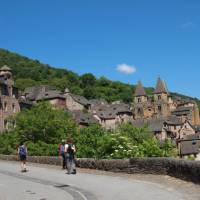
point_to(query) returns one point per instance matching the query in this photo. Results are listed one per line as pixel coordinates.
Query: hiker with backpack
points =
(62, 153)
(22, 152)
(70, 156)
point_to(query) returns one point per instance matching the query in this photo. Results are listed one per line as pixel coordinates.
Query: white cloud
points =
(188, 24)
(126, 69)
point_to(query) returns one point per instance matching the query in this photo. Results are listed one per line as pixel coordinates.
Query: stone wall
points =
(179, 168)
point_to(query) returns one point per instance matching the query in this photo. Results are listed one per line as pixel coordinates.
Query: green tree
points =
(87, 79)
(44, 123)
(89, 92)
(93, 142)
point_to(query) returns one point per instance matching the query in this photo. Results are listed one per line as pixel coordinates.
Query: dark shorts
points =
(22, 157)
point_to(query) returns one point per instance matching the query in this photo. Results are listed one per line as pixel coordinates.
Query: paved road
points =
(43, 182)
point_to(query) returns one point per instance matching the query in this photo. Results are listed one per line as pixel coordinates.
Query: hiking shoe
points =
(74, 171)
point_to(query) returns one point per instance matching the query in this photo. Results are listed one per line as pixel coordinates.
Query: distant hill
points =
(28, 72)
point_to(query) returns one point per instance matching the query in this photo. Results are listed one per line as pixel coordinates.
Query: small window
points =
(139, 111)
(159, 97)
(13, 108)
(159, 108)
(14, 124)
(194, 143)
(139, 100)
(174, 127)
(5, 124)
(5, 107)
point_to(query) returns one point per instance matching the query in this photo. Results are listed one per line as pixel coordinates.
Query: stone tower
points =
(161, 99)
(196, 120)
(6, 76)
(9, 104)
(140, 100)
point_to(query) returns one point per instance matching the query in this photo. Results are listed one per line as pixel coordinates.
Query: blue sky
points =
(143, 38)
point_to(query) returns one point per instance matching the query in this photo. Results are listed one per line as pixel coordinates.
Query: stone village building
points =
(84, 111)
(110, 116)
(166, 117)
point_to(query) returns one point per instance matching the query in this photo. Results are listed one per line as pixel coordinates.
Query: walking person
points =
(70, 156)
(22, 153)
(62, 153)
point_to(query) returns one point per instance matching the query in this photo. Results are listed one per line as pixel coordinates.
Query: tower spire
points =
(139, 91)
(160, 87)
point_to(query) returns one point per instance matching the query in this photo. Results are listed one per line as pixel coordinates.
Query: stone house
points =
(76, 102)
(183, 134)
(167, 127)
(64, 100)
(156, 126)
(123, 113)
(83, 119)
(187, 109)
(105, 116)
(186, 130)
(45, 93)
(110, 116)
(9, 104)
(188, 145)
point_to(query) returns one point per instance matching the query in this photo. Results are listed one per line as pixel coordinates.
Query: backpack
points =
(22, 151)
(70, 150)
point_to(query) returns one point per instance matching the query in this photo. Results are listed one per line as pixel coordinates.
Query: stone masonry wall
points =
(179, 168)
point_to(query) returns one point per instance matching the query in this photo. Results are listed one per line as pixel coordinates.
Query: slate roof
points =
(173, 120)
(186, 101)
(96, 102)
(83, 118)
(182, 111)
(139, 123)
(188, 147)
(5, 68)
(105, 112)
(111, 111)
(51, 94)
(191, 137)
(160, 87)
(38, 93)
(156, 124)
(139, 91)
(80, 99)
(121, 108)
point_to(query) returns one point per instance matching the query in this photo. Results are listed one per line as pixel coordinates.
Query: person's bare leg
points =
(24, 165)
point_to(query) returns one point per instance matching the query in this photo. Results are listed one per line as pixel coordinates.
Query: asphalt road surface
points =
(45, 182)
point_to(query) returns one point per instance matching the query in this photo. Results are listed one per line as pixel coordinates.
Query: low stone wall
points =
(179, 168)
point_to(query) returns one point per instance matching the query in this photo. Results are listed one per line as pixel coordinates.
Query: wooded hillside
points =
(28, 72)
